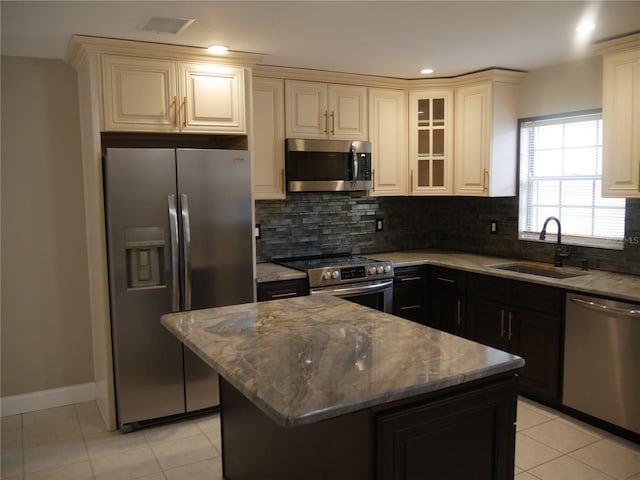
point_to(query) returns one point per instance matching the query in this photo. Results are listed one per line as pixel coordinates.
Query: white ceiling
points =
(386, 38)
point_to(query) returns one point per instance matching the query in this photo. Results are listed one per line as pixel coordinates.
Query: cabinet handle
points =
(510, 320)
(175, 111)
(501, 323)
(284, 181)
(410, 307)
(333, 123)
(373, 179)
(410, 279)
(446, 280)
(485, 180)
(411, 181)
(283, 295)
(325, 122)
(184, 107)
(459, 312)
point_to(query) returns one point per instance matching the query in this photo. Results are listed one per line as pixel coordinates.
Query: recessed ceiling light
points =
(217, 49)
(585, 28)
(426, 71)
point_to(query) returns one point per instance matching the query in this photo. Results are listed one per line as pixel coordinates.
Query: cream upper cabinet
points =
(154, 95)
(267, 151)
(320, 110)
(486, 132)
(621, 124)
(389, 141)
(212, 98)
(431, 142)
(139, 94)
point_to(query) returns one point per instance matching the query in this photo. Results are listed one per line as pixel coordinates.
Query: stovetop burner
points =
(339, 269)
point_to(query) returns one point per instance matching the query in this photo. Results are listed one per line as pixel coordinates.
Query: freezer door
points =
(218, 261)
(147, 358)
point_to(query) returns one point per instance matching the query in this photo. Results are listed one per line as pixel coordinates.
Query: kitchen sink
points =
(543, 271)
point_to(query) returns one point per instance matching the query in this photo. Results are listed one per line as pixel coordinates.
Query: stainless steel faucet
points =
(562, 251)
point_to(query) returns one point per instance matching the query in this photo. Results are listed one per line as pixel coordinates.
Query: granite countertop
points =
(306, 359)
(272, 272)
(594, 282)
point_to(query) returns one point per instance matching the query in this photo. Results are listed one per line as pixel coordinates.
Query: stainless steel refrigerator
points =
(180, 235)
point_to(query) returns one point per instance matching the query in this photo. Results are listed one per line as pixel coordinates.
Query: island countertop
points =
(306, 359)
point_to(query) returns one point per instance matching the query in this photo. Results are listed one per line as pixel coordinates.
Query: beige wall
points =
(46, 328)
(569, 87)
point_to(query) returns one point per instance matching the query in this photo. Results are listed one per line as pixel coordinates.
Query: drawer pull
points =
(502, 323)
(410, 279)
(459, 312)
(410, 307)
(283, 295)
(446, 280)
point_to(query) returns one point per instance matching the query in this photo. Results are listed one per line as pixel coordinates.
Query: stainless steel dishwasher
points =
(602, 360)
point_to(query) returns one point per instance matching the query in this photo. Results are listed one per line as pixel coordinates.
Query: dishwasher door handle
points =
(605, 308)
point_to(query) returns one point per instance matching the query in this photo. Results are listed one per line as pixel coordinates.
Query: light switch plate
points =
(379, 224)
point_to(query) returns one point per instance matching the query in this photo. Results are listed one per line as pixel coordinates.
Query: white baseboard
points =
(56, 397)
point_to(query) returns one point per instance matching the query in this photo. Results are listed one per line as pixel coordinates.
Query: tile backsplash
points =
(327, 223)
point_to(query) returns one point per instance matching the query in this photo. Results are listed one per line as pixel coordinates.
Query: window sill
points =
(575, 241)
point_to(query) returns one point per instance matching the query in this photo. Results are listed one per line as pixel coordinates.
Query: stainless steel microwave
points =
(327, 165)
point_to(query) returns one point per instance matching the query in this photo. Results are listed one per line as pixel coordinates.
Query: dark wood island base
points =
(457, 433)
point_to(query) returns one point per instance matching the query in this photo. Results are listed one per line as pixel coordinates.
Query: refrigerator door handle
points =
(186, 249)
(175, 272)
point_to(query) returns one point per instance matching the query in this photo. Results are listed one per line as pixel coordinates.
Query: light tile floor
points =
(71, 443)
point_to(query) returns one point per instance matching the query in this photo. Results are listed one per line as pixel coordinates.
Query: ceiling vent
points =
(168, 25)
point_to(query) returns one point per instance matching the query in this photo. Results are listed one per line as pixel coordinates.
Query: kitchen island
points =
(318, 387)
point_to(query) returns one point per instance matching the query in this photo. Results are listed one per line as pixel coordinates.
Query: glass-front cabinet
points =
(431, 142)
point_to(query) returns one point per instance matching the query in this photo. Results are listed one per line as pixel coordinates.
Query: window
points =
(560, 176)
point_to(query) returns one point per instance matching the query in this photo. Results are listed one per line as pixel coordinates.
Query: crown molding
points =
(81, 45)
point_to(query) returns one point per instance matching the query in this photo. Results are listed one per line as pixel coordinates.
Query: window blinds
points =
(561, 169)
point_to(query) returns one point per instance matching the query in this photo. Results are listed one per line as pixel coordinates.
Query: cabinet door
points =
(621, 125)
(389, 141)
(448, 309)
(486, 126)
(212, 98)
(536, 338)
(487, 323)
(139, 94)
(306, 109)
(268, 139)
(431, 142)
(347, 112)
(465, 436)
(473, 123)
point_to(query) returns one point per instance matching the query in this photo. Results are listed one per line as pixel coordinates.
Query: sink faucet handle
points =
(562, 251)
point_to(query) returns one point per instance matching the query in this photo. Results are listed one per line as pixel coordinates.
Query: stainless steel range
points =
(359, 279)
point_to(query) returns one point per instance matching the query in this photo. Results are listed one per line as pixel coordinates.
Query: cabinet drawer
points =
(448, 278)
(282, 289)
(410, 277)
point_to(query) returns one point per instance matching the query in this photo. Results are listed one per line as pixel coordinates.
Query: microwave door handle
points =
(354, 158)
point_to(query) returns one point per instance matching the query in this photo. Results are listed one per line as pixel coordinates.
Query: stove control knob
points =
(372, 271)
(387, 268)
(380, 269)
(326, 275)
(335, 274)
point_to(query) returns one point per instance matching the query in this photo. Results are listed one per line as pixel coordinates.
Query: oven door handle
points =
(354, 290)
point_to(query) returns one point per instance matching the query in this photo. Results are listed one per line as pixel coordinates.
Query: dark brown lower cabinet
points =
(459, 433)
(468, 436)
(524, 319)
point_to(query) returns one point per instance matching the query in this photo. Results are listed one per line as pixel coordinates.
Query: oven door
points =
(377, 294)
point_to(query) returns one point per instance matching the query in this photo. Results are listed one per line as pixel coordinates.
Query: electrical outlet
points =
(493, 226)
(257, 231)
(379, 224)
